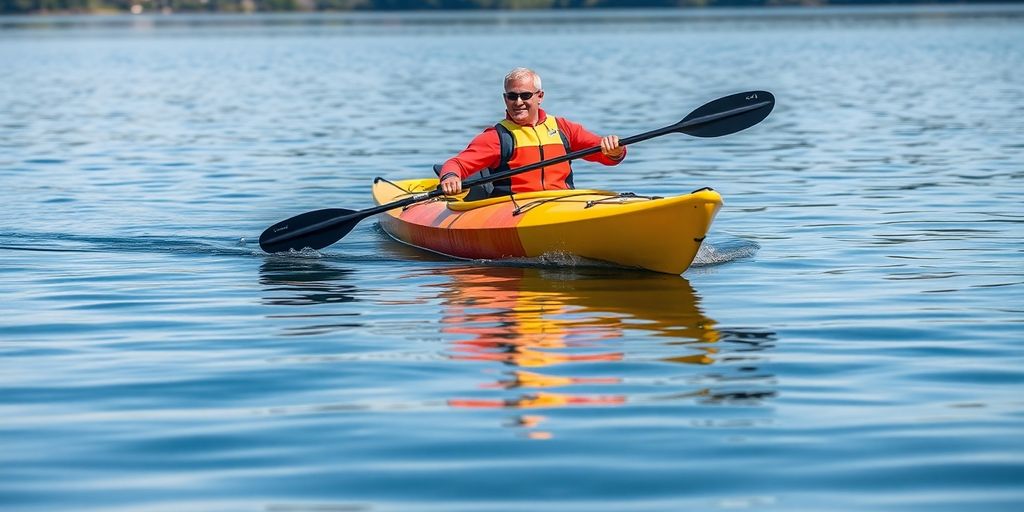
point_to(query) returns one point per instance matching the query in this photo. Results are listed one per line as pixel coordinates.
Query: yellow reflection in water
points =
(547, 338)
(535, 320)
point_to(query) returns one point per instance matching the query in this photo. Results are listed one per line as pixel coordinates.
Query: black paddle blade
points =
(301, 231)
(720, 122)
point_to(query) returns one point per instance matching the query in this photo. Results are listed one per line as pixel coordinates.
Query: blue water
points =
(849, 338)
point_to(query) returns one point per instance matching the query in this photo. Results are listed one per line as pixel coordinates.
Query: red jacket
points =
(484, 152)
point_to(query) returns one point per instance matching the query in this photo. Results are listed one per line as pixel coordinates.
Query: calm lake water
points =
(849, 339)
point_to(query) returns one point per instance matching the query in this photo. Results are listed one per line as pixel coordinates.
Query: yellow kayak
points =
(661, 234)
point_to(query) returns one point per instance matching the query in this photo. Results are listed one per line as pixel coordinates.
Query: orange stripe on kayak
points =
(484, 233)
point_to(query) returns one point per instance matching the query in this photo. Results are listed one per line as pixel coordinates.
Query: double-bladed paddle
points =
(320, 228)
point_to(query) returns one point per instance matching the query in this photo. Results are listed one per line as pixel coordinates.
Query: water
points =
(848, 340)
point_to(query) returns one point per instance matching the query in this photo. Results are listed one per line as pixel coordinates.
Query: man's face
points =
(523, 111)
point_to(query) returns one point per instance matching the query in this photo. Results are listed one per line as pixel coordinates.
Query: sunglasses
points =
(512, 96)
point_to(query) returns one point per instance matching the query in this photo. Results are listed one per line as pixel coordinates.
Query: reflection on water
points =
(303, 282)
(299, 282)
(563, 332)
(548, 338)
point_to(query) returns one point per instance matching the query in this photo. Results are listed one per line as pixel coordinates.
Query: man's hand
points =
(610, 147)
(451, 184)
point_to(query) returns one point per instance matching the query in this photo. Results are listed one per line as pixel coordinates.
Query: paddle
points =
(320, 228)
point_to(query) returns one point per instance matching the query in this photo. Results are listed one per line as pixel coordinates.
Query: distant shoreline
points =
(537, 17)
(167, 7)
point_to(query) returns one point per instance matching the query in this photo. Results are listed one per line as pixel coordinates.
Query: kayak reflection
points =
(566, 330)
(514, 315)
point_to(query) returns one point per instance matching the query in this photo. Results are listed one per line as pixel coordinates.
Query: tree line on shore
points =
(137, 6)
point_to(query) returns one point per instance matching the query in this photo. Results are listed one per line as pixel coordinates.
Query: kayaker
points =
(527, 135)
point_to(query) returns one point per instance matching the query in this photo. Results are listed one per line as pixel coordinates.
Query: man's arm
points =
(483, 152)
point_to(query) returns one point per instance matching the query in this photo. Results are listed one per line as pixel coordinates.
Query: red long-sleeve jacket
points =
(484, 151)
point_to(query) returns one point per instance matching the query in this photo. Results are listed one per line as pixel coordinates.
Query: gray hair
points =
(522, 74)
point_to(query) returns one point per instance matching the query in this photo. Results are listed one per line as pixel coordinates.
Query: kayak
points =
(662, 234)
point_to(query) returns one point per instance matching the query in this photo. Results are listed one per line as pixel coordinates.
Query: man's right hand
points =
(451, 184)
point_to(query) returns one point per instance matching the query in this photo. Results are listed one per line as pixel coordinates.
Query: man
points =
(526, 136)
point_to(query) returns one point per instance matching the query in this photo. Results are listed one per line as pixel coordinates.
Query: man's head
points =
(523, 95)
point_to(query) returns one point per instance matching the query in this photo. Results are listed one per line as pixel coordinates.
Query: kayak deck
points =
(662, 234)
